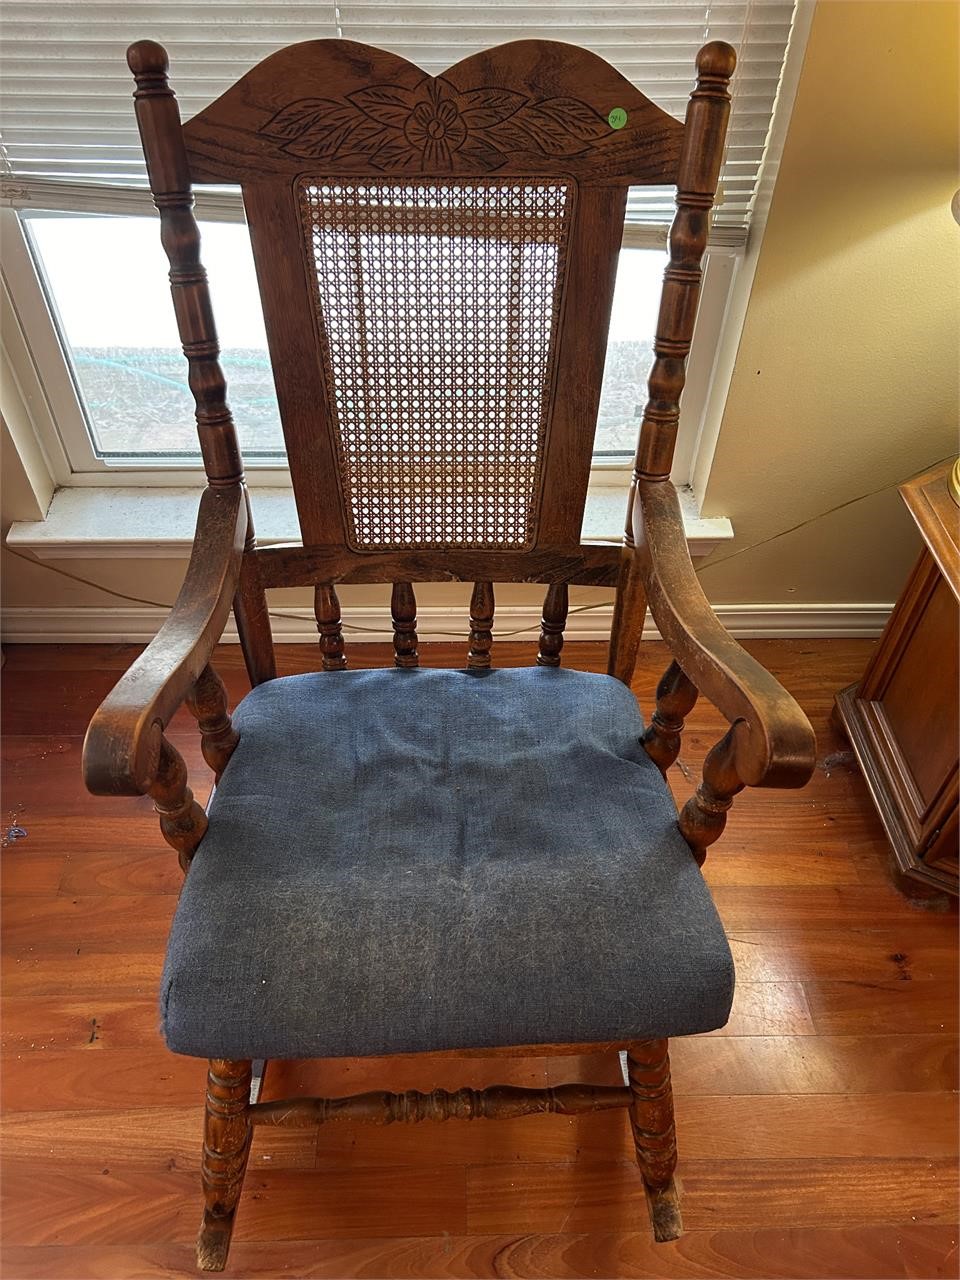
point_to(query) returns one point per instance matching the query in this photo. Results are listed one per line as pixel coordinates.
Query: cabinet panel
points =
(903, 717)
(920, 701)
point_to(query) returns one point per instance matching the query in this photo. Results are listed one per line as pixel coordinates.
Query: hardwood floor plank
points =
(95, 922)
(810, 907)
(906, 1251)
(817, 1126)
(25, 870)
(117, 835)
(797, 864)
(149, 1138)
(768, 1009)
(816, 1064)
(851, 1008)
(779, 1193)
(92, 1023)
(115, 1078)
(99, 1206)
(924, 949)
(40, 972)
(150, 868)
(133, 1206)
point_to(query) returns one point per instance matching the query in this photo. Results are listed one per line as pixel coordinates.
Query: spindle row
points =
(403, 612)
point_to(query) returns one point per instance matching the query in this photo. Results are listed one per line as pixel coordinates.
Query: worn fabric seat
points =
(401, 861)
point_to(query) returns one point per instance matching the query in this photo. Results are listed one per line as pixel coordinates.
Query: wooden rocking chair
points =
(406, 860)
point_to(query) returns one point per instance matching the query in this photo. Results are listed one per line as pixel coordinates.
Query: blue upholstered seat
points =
(416, 860)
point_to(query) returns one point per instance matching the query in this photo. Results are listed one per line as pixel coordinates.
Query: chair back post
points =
(701, 155)
(700, 158)
(158, 119)
(168, 169)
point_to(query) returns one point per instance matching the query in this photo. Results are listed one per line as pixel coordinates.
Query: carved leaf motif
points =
(481, 108)
(388, 103)
(318, 143)
(395, 153)
(571, 116)
(365, 137)
(510, 135)
(317, 114)
(484, 157)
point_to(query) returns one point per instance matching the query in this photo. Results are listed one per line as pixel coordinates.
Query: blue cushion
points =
(415, 860)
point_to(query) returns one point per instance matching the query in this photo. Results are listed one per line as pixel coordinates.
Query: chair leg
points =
(654, 1135)
(226, 1145)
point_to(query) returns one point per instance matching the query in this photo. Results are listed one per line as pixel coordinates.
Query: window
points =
(629, 351)
(129, 373)
(87, 275)
(122, 343)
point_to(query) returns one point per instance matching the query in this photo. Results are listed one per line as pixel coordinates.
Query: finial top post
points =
(717, 60)
(147, 58)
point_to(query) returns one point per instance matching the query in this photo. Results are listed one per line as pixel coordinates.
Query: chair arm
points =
(122, 749)
(772, 740)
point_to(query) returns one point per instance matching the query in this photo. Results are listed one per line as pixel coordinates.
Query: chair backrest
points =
(436, 259)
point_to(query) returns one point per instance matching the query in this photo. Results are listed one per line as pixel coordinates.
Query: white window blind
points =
(70, 140)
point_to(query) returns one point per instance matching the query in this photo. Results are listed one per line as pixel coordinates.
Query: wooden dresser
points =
(903, 717)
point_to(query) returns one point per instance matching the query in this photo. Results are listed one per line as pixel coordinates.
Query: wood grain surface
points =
(817, 1131)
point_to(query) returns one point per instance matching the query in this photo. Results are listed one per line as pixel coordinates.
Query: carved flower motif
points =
(435, 128)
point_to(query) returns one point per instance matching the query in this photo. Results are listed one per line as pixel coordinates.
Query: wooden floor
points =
(818, 1130)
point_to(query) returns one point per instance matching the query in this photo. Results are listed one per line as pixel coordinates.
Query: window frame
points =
(33, 359)
(34, 346)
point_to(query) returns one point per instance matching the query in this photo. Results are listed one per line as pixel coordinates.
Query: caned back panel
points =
(436, 258)
(437, 308)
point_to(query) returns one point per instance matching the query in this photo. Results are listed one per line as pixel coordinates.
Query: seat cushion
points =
(401, 861)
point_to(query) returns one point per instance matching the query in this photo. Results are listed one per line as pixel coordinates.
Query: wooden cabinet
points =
(903, 717)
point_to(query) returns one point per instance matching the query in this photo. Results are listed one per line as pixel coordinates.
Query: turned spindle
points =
(207, 702)
(226, 1147)
(499, 1102)
(651, 1110)
(183, 822)
(481, 625)
(403, 610)
(326, 608)
(704, 816)
(552, 624)
(654, 1133)
(676, 696)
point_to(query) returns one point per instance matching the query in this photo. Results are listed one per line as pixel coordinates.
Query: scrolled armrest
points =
(773, 744)
(122, 749)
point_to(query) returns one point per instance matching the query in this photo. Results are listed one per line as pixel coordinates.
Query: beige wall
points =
(847, 376)
(846, 379)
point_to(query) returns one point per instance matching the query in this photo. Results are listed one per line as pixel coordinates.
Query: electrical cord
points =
(302, 617)
(457, 635)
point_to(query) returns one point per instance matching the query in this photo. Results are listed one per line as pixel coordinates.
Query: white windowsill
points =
(140, 524)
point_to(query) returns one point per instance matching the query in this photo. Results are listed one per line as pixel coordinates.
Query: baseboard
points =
(366, 623)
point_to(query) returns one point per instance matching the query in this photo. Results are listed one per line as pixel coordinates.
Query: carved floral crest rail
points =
(424, 128)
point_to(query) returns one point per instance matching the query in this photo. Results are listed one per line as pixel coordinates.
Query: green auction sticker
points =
(617, 118)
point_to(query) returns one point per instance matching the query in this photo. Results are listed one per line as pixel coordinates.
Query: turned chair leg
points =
(226, 1145)
(654, 1135)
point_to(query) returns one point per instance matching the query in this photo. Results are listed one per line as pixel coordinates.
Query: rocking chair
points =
(411, 861)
